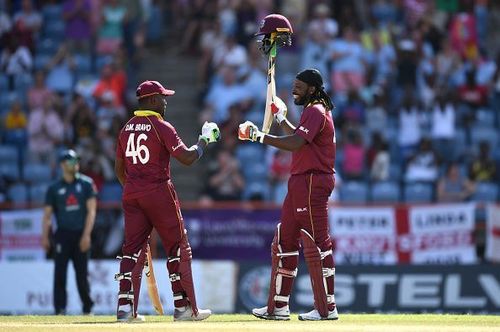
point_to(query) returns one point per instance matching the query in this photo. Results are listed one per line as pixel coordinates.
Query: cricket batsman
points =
(304, 215)
(149, 200)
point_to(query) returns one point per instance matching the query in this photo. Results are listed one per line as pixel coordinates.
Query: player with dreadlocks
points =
(304, 215)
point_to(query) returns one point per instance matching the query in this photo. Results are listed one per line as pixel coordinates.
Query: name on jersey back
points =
(138, 127)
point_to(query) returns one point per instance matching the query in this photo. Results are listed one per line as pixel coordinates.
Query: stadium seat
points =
(8, 154)
(51, 12)
(40, 61)
(418, 193)
(83, 63)
(385, 192)
(37, 193)
(479, 134)
(35, 173)
(47, 46)
(4, 82)
(485, 192)
(10, 171)
(354, 192)
(395, 172)
(485, 118)
(257, 190)
(18, 193)
(110, 192)
(54, 29)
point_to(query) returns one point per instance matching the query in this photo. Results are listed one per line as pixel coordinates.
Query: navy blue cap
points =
(69, 155)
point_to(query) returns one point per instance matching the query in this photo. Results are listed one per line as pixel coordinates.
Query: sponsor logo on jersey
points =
(305, 130)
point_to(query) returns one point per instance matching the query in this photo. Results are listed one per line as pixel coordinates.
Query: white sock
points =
(125, 307)
(181, 309)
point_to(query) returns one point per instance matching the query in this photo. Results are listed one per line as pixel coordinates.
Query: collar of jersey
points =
(148, 113)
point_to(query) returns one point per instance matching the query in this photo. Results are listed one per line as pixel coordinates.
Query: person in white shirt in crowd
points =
(379, 170)
(45, 131)
(443, 126)
(423, 166)
(222, 95)
(15, 60)
(323, 23)
(409, 131)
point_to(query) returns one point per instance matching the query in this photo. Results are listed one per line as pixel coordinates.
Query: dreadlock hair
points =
(313, 77)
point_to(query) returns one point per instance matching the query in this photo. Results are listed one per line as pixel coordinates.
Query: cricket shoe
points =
(186, 314)
(282, 313)
(314, 315)
(127, 317)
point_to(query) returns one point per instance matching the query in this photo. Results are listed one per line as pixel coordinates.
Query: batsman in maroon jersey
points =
(304, 215)
(149, 200)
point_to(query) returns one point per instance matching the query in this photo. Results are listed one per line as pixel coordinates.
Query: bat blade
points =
(271, 90)
(151, 283)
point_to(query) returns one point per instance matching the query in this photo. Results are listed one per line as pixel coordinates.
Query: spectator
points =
(111, 81)
(27, 23)
(443, 126)
(409, 127)
(76, 13)
(313, 53)
(280, 167)
(376, 115)
(453, 187)
(108, 110)
(60, 69)
(354, 160)
(322, 22)
(15, 125)
(225, 182)
(16, 60)
(483, 168)
(110, 34)
(81, 120)
(224, 94)
(5, 25)
(230, 54)
(380, 167)
(423, 165)
(472, 96)
(349, 62)
(46, 131)
(39, 92)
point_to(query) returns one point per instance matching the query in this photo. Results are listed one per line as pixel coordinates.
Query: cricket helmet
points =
(274, 28)
(274, 23)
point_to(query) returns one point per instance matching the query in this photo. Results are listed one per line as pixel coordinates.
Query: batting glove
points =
(210, 132)
(279, 109)
(247, 131)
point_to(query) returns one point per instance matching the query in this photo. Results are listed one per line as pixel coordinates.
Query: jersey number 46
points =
(137, 150)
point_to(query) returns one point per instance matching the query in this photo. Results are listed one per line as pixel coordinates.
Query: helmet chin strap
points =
(279, 38)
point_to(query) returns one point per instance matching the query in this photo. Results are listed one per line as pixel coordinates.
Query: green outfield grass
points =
(347, 322)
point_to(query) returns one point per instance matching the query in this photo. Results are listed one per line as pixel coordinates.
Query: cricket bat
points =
(151, 283)
(271, 87)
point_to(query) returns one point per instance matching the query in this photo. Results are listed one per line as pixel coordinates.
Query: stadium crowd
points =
(68, 69)
(416, 85)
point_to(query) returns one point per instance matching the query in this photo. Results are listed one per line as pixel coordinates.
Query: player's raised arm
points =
(210, 133)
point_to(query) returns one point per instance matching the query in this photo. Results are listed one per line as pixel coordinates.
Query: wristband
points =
(205, 139)
(280, 117)
(198, 150)
(260, 137)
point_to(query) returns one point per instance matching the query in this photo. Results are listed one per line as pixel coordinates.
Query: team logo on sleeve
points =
(305, 130)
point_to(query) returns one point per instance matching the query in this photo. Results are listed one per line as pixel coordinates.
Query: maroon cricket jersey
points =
(146, 143)
(318, 154)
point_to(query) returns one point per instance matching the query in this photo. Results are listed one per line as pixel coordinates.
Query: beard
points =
(300, 100)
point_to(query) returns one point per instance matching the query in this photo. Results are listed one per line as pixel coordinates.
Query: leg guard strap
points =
(314, 259)
(278, 272)
(123, 276)
(174, 277)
